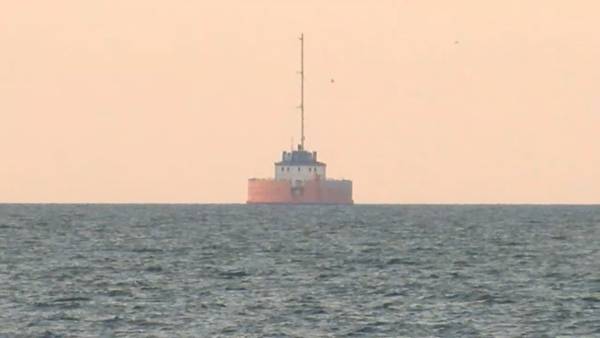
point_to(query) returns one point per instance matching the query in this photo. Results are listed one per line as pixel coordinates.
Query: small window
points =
(309, 169)
(287, 168)
(298, 168)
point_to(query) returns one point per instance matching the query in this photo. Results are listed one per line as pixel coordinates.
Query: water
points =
(259, 271)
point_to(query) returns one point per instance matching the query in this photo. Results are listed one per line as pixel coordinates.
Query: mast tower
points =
(301, 92)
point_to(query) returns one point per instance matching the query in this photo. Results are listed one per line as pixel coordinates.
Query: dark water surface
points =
(310, 271)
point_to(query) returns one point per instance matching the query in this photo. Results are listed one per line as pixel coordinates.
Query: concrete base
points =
(269, 191)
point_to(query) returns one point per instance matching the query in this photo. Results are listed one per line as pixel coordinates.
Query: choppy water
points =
(258, 271)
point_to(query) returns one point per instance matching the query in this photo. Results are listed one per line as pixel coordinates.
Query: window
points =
(298, 168)
(287, 169)
(309, 169)
(282, 168)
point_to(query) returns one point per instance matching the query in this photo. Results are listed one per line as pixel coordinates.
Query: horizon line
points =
(289, 204)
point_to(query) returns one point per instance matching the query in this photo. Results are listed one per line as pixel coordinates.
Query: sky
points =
(177, 101)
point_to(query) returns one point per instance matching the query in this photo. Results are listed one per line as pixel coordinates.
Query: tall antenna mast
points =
(302, 91)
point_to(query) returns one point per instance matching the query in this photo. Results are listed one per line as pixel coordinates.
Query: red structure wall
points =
(268, 191)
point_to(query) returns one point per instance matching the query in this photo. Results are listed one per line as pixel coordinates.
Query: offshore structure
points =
(299, 177)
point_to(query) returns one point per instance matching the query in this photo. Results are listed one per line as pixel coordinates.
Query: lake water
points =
(299, 271)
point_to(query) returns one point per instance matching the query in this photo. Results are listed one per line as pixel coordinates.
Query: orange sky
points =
(182, 101)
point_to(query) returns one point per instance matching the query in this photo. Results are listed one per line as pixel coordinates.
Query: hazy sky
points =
(183, 101)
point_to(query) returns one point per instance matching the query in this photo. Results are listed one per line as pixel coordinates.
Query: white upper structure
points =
(299, 166)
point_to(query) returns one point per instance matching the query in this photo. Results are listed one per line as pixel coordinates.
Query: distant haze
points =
(182, 101)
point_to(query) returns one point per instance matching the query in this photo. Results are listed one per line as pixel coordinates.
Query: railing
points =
(327, 179)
